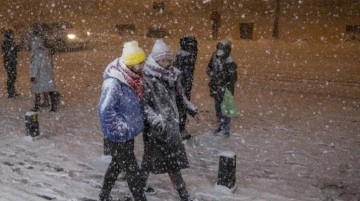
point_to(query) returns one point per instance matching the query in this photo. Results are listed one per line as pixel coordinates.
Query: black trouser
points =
(123, 158)
(215, 31)
(179, 183)
(183, 117)
(12, 74)
(176, 179)
(182, 111)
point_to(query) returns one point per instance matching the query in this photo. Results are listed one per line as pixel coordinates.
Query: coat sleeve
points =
(232, 73)
(3, 47)
(177, 61)
(209, 69)
(110, 117)
(190, 108)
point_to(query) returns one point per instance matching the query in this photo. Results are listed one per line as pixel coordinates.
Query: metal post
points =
(227, 170)
(32, 124)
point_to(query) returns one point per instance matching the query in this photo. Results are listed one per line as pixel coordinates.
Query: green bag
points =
(228, 107)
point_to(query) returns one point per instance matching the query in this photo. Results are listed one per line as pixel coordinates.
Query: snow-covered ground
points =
(298, 136)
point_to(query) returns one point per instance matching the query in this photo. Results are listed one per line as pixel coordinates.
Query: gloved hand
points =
(32, 79)
(158, 123)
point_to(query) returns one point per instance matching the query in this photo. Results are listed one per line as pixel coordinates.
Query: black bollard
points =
(32, 124)
(227, 170)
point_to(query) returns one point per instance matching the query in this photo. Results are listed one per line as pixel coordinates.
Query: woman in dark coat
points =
(185, 61)
(10, 51)
(164, 151)
(222, 71)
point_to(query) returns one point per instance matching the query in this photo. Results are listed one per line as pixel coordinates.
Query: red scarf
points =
(134, 80)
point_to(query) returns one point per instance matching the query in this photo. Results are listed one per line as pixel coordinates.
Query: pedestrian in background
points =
(41, 69)
(121, 117)
(215, 23)
(164, 151)
(185, 61)
(10, 55)
(222, 71)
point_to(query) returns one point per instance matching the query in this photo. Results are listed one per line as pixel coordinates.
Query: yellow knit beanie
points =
(132, 54)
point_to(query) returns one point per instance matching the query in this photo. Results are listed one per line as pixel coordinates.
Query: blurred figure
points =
(164, 151)
(185, 61)
(41, 70)
(222, 71)
(10, 54)
(215, 23)
(121, 117)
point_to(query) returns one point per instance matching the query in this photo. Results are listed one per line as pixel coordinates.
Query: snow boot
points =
(13, 95)
(216, 131)
(105, 198)
(185, 135)
(55, 99)
(184, 194)
(149, 190)
(222, 133)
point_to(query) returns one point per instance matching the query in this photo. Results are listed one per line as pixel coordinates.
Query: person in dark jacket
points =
(215, 23)
(185, 61)
(10, 54)
(164, 151)
(122, 119)
(222, 71)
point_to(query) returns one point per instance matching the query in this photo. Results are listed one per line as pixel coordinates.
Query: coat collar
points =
(111, 70)
(154, 69)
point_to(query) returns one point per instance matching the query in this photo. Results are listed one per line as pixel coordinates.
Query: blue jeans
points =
(223, 121)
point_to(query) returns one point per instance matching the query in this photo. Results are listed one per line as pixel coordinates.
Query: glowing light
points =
(71, 36)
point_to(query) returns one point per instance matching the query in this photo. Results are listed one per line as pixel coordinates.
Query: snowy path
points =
(297, 137)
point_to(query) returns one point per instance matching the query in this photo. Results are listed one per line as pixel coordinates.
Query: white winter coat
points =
(41, 67)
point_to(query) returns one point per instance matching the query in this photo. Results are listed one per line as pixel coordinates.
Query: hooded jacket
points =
(185, 61)
(222, 71)
(120, 109)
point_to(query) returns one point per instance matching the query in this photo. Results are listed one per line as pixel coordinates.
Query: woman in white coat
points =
(41, 70)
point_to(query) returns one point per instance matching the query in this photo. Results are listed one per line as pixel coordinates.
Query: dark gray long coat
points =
(163, 148)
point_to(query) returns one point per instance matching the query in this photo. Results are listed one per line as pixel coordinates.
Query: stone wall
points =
(316, 20)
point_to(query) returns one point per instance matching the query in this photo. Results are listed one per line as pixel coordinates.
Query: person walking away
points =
(164, 151)
(10, 54)
(222, 71)
(185, 61)
(41, 70)
(215, 23)
(122, 119)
